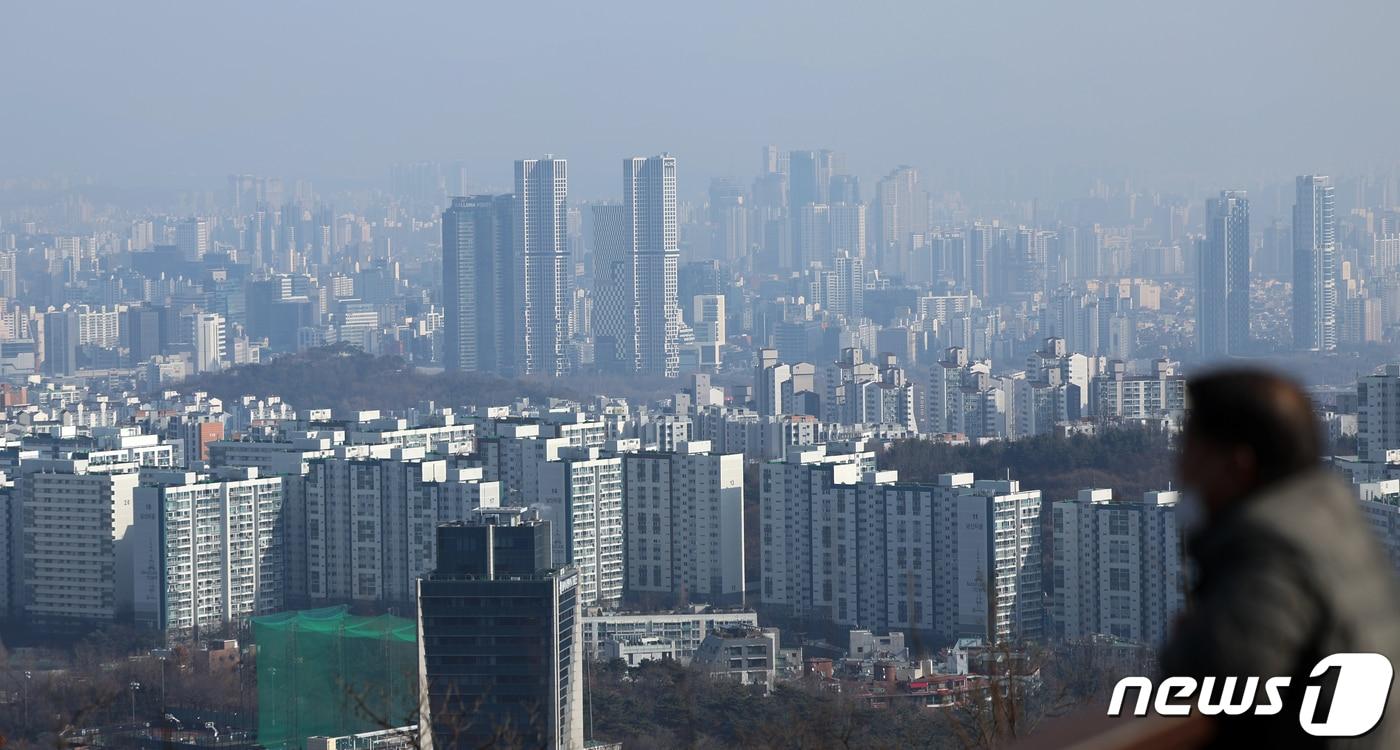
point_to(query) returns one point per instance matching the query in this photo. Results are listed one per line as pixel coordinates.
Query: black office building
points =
(497, 626)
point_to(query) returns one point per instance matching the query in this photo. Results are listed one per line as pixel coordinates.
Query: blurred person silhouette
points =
(1287, 569)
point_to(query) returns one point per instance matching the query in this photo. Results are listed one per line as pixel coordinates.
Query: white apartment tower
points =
(851, 546)
(544, 279)
(208, 335)
(74, 554)
(207, 551)
(1117, 567)
(685, 524)
(580, 494)
(649, 200)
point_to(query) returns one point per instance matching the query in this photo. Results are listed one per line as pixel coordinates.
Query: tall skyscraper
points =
(207, 333)
(1378, 413)
(477, 283)
(1222, 288)
(845, 188)
(810, 172)
(142, 325)
(809, 186)
(901, 208)
(612, 290)
(848, 229)
(773, 162)
(500, 658)
(61, 336)
(544, 281)
(192, 237)
(729, 221)
(1314, 264)
(980, 243)
(649, 199)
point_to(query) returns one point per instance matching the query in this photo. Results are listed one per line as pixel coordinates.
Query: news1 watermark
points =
(1361, 686)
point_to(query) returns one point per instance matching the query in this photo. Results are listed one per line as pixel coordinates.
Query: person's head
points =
(1246, 430)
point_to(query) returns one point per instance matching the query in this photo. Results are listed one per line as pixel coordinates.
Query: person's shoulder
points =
(1308, 503)
(1314, 518)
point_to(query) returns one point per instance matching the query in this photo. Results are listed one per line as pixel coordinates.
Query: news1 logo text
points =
(1361, 687)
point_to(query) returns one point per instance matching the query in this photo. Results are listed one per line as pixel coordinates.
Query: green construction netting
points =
(325, 672)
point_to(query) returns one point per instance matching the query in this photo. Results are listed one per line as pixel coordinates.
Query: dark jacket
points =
(1285, 578)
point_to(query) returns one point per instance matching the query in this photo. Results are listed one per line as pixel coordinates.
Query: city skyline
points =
(924, 371)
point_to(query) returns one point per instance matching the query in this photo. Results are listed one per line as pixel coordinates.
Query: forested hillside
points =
(1130, 461)
(345, 377)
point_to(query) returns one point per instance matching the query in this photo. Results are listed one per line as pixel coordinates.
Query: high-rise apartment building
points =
(1117, 395)
(1378, 414)
(845, 544)
(685, 524)
(1315, 264)
(99, 327)
(580, 493)
(1117, 567)
(649, 200)
(73, 518)
(207, 550)
(544, 280)
(875, 393)
(843, 288)
(478, 284)
(9, 275)
(499, 653)
(361, 529)
(1222, 278)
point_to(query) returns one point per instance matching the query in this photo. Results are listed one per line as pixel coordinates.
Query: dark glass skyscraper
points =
(1222, 289)
(61, 336)
(478, 284)
(497, 632)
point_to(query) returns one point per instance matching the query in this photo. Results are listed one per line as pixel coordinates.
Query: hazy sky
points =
(168, 92)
